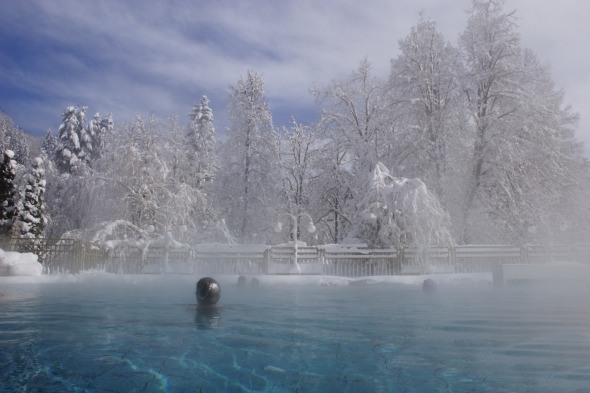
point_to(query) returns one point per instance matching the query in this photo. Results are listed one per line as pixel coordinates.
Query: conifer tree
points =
(71, 134)
(94, 136)
(13, 138)
(8, 193)
(50, 144)
(31, 220)
(98, 139)
(202, 143)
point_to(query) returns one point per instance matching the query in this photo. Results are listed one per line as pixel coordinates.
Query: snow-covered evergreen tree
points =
(93, 138)
(92, 131)
(77, 147)
(8, 193)
(31, 218)
(98, 140)
(202, 144)
(71, 153)
(49, 145)
(249, 177)
(13, 138)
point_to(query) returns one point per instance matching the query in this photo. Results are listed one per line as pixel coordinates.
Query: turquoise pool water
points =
(145, 335)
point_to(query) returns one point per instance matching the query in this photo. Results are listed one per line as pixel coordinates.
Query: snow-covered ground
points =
(19, 264)
(264, 280)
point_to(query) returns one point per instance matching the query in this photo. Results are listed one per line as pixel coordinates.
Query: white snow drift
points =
(19, 264)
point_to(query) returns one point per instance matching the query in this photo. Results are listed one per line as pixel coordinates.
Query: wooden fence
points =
(352, 261)
(60, 255)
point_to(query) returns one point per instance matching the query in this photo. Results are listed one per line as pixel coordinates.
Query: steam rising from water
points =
(379, 334)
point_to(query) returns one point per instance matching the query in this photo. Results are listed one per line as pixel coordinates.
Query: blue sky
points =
(134, 57)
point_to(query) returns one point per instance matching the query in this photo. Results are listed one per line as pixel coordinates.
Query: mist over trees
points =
(466, 144)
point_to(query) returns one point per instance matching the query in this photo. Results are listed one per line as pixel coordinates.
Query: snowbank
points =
(19, 264)
(411, 280)
(97, 277)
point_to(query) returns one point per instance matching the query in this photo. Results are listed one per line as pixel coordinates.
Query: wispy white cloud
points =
(133, 57)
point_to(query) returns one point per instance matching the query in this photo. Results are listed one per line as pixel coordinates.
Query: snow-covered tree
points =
(59, 185)
(50, 144)
(524, 142)
(13, 138)
(355, 114)
(67, 164)
(134, 171)
(202, 144)
(8, 193)
(491, 49)
(139, 179)
(359, 132)
(332, 193)
(400, 212)
(427, 98)
(93, 138)
(190, 182)
(299, 154)
(571, 224)
(31, 218)
(73, 138)
(537, 158)
(249, 178)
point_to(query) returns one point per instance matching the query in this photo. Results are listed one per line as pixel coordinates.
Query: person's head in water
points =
(241, 281)
(208, 291)
(429, 285)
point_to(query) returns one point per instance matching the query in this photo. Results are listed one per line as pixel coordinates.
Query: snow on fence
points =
(340, 260)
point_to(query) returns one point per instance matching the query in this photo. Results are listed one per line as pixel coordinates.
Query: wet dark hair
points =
(208, 291)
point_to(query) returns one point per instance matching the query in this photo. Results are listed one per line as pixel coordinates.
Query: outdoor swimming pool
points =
(108, 333)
